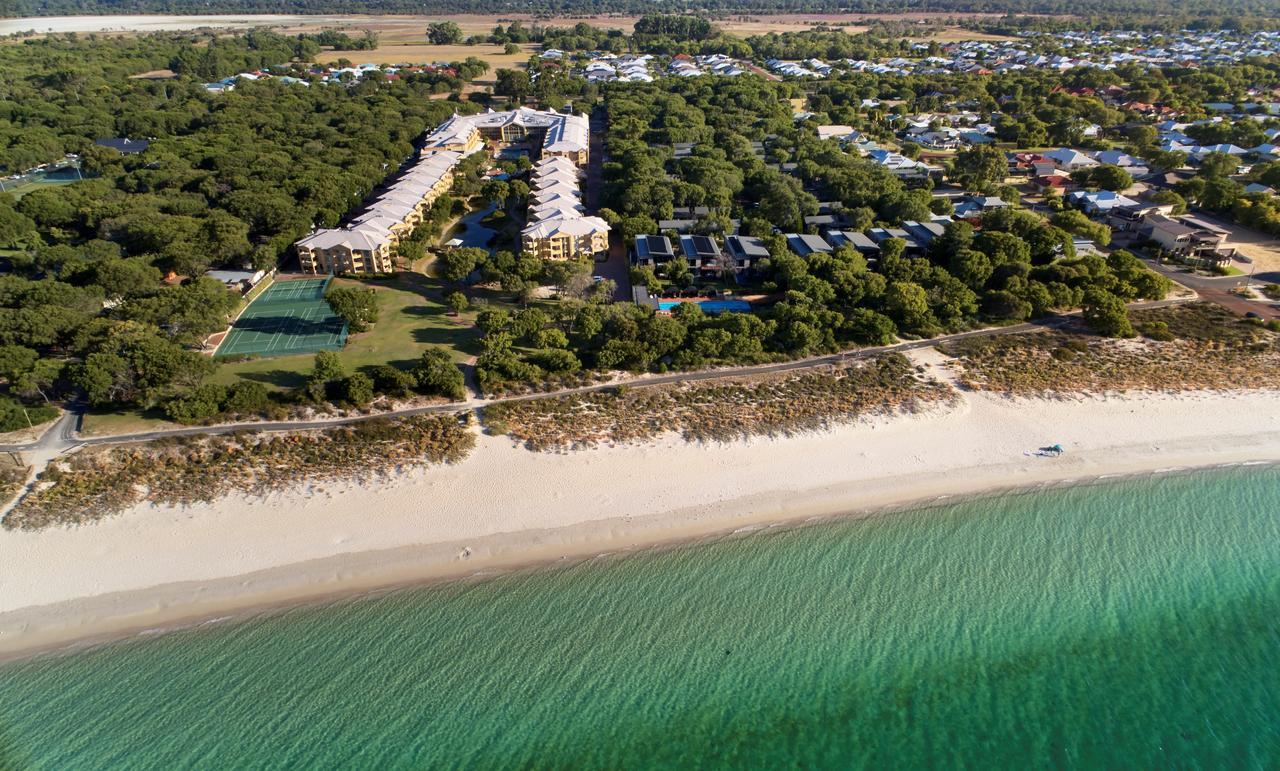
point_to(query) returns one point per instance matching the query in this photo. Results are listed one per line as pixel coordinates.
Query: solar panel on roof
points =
(703, 245)
(657, 244)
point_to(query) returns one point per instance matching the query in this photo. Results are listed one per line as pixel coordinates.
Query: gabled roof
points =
(577, 227)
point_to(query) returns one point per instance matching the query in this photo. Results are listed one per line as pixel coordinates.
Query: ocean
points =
(1127, 624)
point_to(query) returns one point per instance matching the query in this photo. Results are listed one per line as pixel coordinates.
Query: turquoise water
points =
(712, 306)
(1134, 624)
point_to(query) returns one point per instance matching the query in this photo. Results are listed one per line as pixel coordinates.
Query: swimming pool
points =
(713, 306)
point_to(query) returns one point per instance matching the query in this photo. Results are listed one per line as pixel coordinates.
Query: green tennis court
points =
(289, 317)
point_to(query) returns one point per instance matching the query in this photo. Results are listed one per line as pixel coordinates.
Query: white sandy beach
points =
(505, 506)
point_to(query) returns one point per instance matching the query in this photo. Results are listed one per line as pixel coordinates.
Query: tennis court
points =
(290, 317)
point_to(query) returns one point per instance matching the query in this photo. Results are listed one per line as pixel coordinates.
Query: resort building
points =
(368, 243)
(745, 252)
(552, 133)
(566, 239)
(346, 250)
(651, 251)
(558, 227)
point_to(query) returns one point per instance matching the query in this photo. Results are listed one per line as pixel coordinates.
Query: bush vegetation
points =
(719, 411)
(100, 482)
(1188, 346)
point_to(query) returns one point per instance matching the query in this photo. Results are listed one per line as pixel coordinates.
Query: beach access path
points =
(63, 436)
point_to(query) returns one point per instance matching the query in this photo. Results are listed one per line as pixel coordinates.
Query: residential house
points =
(652, 251)
(1188, 238)
(702, 253)
(1069, 160)
(804, 244)
(745, 252)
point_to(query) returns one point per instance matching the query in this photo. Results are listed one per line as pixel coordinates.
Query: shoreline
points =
(902, 462)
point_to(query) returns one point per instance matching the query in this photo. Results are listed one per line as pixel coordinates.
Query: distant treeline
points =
(1223, 11)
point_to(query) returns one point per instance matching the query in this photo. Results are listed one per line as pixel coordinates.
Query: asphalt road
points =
(62, 435)
(1216, 289)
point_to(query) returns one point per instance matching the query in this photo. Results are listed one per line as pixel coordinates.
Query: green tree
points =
(908, 304)
(358, 306)
(327, 369)
(443, 33)
(1106, 314)
(457, 301)
(980, 165)
(457, 264)
(513, 83)
(1110, 177)
(436, 373)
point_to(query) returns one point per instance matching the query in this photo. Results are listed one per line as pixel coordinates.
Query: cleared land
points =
(422, 53)
(392, 28)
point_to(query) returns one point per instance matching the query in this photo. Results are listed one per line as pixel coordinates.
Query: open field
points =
(421, 53)
(402, 28)
(411, 317)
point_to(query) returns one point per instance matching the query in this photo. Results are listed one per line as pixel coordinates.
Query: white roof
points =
(359, 239)
(576, 226)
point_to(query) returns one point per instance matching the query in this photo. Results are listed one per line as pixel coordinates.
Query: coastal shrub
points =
(1157, 330)
(436, 373)
(1206, 348)
(99, 482)
(355, 389)
(246, 398)
(15, 417)
(721, 410)
(392, 381)
(197, 406)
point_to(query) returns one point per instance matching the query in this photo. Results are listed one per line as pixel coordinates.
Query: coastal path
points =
(63, 435)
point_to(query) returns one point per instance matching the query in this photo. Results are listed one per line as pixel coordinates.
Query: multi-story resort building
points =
(552, 133)
(558, 229)
(558, 226)
(367, 244)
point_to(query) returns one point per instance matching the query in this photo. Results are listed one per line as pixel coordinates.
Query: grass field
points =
(289, 317)
(411, 317)
(123, 422)
(422, 53)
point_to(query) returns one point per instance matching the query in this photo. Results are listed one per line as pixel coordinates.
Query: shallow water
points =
(1128, 624)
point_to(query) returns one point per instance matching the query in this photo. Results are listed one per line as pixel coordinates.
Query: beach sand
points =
(505, 506)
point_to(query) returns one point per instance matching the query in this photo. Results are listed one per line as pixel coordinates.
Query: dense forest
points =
(229, 180)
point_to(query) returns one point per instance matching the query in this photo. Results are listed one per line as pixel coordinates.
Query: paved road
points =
(1215, 289)
(63, 434)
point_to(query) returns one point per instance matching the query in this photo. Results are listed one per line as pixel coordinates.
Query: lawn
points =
(130, 421)
(411, 317)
